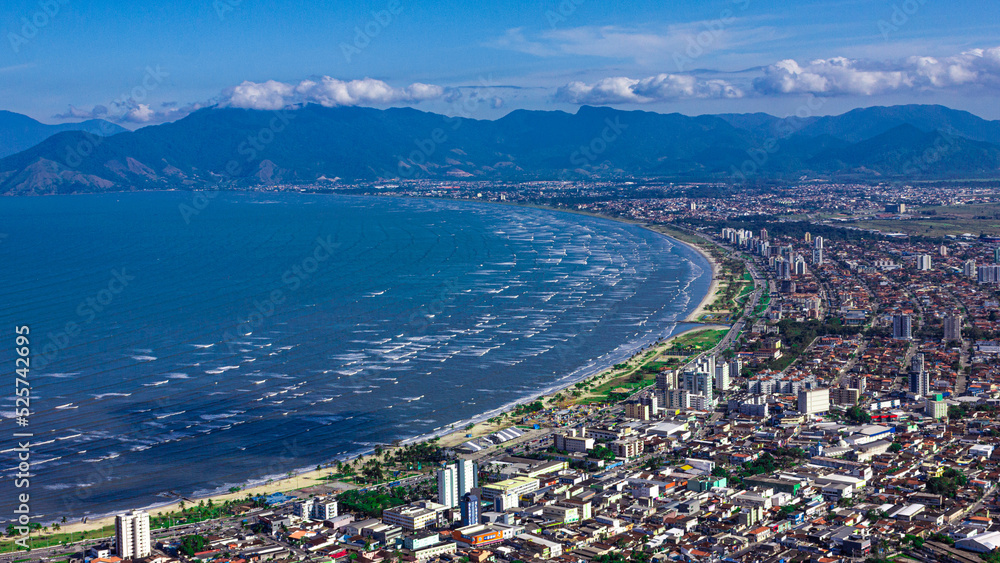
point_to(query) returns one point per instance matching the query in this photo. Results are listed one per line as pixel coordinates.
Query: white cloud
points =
(676, 44)
(603, 41)
(130, 111)
(141, 113)
(265, 95)
(515, 40)
(97, 112)
(15, 68)
(843, 76)
(662, 87)
(270, 95)
(326, 91)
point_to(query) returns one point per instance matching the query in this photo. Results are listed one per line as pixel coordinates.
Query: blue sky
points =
(139, 63)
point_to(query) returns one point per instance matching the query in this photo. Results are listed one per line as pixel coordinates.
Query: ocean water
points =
(183, 345)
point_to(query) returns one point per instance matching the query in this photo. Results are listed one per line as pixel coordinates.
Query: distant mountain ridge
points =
(864, 123)
(314, 144)
(20, 132)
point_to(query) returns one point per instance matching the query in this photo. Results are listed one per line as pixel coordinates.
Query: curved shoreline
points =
(451, 436)
(712, 288)
(454, 433)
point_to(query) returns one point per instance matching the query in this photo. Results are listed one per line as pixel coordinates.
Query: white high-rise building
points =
(800, 266)
(454, 481)
(700, 382)
(678, 399)
(969, 268)
(650, 401)
(707, 364)
(722, 377)
(924, 262)
(324, 509)
(665, 381)
(304, 508)
(466, 478)
(316, 508)
(701, 403)
(448, 486)
(132, 535)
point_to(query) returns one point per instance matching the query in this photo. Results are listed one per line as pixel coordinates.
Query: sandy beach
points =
(713, 287)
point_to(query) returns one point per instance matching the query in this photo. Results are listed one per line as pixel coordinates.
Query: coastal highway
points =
(752, 299)
(61, 552)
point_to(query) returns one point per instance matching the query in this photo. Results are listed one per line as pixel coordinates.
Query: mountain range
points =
(19, 132)
(313, 144)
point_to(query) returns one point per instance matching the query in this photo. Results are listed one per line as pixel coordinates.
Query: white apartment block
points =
(132, 535)
(814, 401)
(448, 486)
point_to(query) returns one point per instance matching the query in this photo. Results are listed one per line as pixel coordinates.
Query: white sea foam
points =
(105, 395)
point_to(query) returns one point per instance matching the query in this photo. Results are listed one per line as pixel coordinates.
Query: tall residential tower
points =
(132, 535)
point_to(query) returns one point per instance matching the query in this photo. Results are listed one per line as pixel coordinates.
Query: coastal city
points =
(376, 281)
(838, 403)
